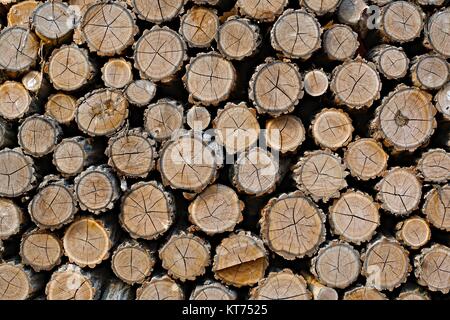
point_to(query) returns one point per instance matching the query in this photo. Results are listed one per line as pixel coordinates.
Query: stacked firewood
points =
(221, 149)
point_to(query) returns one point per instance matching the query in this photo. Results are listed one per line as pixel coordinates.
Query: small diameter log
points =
(140, 92)
(237, 127)
(216, 209)
(16, 172)
(405, 119)
(399, 191)
(356, 84)
(318, 290)
(14, 58)
(332, 129)
(292, 226)
(240, 260)
(401, 21)
(147, 210)
(188, 163)
(282, 285)
(54, 204)
(264, 10)
(413, 232)
(364, 293)
(354, 217)
(340, 42)
(53, 21)
(413, 294)
(157, 11)
(108, 20)
(198, 118)
(430, 2)
(18, 282)
(87, 242)
(15, 100)
(38, 135)
(70, 282)
(365, 158)
(276, 87)
(101, 112)
(296, 34)
(434, 165)
(436, 32)
(80, 6)
(163, 119)
(41, 250)
(132, 262)
(97, 188)
(256, 172)
(337, 265)
(385, 264)
(212, 291)
(437, 207)
(209, 78)
(159, 288)
(117, 73)
(116, 289)
(237, 38)
(72, 155)
(316, 82)
(199, 26)
(131, 153)
(19, 14)
(429, 71)
(185, 256)
(322, 7)
(35, 82)
(61, 107)
(285, 133)
(159, 54)
(320, 174)
(442, 99)
(69, 68)
(11, 218)
(392, 62)
(350, 11)
(432, 268)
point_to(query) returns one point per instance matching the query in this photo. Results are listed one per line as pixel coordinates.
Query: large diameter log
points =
(17, 173)
(15, 100)
(432, 268)
(434, 165)
(18, 282)
(429, 71)
(211, 290)
(264, 10)
(292, 226)
(437, 206)
(401, 21)
(160, 288)
(11, 220)
(436, 34)
(157, 11)
(38, 135)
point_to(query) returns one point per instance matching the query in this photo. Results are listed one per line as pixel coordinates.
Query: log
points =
(442, 99)
(322, 8)
(336, 265)
(19, 13)
(157, 11)
(316, 82)
(80, 6)
(131, 153)
(160, 288)
(434, 165)
(324, 183)
(340, 42)
(216, 209)
(429, 72)
(354, 217)
(198, 118)
(17, 171)
(432, 266)
(292, 226)
(318, 290)
(147, 210)
(18, 282)
(275, 87)
(240, 260)
(35, 82)
(364, 293)
(117, 73)
(401, 21)
(12, 218)
(163, 119)
(405, 119)
(38, 135)
(132, 262)
(199, 26)
(332, 129)
(435, 34)
(392, 62)
(282, 285)
(236, 127)
(350, 11)
(15, 100)
(237, 38)
(117, 290)
(212, 291)
(285, 133)
(399, 191)
(413, 232)
(261, 10)
(140, 92)
(413, 294)
(437, 205)
(41, 250)
(61, 107)
(296, 34)
(96, 188)
(385, 264)
(159, 54)
(365, 158)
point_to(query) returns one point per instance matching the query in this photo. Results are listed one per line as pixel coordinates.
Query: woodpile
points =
(223, 150)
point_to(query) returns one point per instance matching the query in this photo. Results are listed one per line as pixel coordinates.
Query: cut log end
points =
(41, 250)
(237, 38)
(160, 288)
(38, 135)
(402, 21)
(19, 13)
(11, 218)
(435, 34)
(390, 61)
(61, 107)
(13, 58)
(163, 119)
(322, 7)
(53, 21)
(442, 99)
(340, 42)
(316, 83)
(332, 128)
(198, 118)
(199, 26)
(430, 72)
(432, 266)
(15, 282)
(364, 293)
(437, 207)
(157, 12)
(434, 165)
(261, 10)
(117, 73)
(19, 170)
(212, 291)
(285, 133)
(15, 100)
(413, 232)
(72, 155)
(140, 92)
